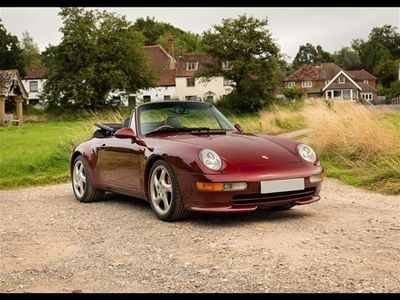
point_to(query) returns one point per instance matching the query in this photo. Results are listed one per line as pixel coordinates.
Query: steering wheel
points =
(163, 126)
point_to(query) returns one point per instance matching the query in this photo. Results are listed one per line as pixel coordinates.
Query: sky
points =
(330, 27)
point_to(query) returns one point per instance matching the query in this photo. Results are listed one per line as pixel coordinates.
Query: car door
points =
(119, 165)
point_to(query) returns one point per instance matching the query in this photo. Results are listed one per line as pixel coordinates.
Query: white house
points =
(162, 64)
(188, 86)
(33, 83)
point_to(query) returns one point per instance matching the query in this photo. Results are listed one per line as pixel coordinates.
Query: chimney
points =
(170, 45)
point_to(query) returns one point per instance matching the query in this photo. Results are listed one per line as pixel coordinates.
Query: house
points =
(33, 83)
(329, 81)
(189, 86)
(162, 65)
(12, 95)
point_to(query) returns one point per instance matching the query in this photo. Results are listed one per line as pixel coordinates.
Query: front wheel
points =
(82, 182)
(164, 194)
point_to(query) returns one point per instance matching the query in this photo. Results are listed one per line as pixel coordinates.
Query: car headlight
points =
(210, 159)
(307, 153)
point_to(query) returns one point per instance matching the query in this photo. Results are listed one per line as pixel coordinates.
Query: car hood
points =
(243, 149)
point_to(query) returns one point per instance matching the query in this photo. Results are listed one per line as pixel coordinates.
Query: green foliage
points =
(374, 53)
(254, 61)
(387, 72)
(309, 54)
(394, 90)
(346, 57)
(389, 37)
(30, 52)
(99, 52)
(155, 32)
(10, 52)
(294, 93)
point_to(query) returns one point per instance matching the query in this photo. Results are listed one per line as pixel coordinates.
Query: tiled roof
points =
(201, 58)
(323, 71)
(166, 78)
(158, 58)
(367, 88)
(7, 79)
(360, 75)
(36, 73)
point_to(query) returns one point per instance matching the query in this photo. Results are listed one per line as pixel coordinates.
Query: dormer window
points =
(366, 81)
(342, 80)
(191, 66)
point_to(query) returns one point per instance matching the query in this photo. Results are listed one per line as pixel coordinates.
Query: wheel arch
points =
(73, 157)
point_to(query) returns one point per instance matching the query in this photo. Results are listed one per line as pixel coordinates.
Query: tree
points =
(30, 51)
(99, 52)
(346, 58)
(389, 37)
(253, 60)
(374, 53)
(387, 72)
(10, 51)
(155, 32)
(309, 54)
(294, 93)
(394, 90)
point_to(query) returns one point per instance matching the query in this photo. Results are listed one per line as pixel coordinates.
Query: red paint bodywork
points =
(122, 164)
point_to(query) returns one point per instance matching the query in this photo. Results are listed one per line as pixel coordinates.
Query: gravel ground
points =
(349, 241)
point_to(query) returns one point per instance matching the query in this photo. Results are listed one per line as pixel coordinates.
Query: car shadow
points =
(208, 219)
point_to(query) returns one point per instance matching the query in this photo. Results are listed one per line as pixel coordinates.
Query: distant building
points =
(33, 83)
(329, 81)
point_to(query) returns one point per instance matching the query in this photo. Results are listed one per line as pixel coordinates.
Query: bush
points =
(294, 93)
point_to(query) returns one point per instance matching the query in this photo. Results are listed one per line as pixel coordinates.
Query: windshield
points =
(180, 116)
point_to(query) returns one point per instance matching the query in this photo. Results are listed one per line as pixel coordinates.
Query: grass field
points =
(357, 144)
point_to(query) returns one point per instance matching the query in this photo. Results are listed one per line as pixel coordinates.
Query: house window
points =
(366, 81)
(147, 98)
(366, 96)
(306, 84)
(327, 81)
(167, 97)
(291, 83)
(190, 81)
(342, 79)
(33, 86)
(189, 97)
(228, 82)
(191, 66)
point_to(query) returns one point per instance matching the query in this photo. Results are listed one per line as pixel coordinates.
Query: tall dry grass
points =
(356, 143)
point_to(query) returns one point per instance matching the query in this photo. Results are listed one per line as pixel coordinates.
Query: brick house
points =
(329, 81)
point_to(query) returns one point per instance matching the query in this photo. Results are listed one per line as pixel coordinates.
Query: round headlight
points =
(307, 153)
(210, 159)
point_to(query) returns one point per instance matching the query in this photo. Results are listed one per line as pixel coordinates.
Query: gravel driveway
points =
(349, 241)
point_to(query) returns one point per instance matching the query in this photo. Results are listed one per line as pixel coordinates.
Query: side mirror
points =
(238, 127)
(125, 133)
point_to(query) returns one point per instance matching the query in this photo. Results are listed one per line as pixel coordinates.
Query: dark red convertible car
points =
(186, 156)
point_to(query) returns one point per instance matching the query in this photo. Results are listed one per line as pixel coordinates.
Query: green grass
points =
(38, 153)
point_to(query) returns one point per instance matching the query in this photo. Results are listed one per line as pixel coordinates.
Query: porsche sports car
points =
(184, 156)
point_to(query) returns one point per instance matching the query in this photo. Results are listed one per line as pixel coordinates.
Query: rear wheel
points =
(82, 182)
(164, 194)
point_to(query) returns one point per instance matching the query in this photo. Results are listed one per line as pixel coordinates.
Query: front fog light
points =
(316, 178)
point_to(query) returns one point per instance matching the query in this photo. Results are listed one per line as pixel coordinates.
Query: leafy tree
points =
(254, 59)
(309, 54)
(387, 72)
(346, 58)
(374, 53)
(10, 51)
(389, 37)
(99, 52)
(30, 51)
(155, 32)
(394, 90)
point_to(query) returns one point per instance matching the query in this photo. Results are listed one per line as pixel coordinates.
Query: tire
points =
(282, 207)
(82, 182)
(164, 193)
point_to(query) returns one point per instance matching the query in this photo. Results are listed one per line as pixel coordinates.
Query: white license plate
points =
(285, 185)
